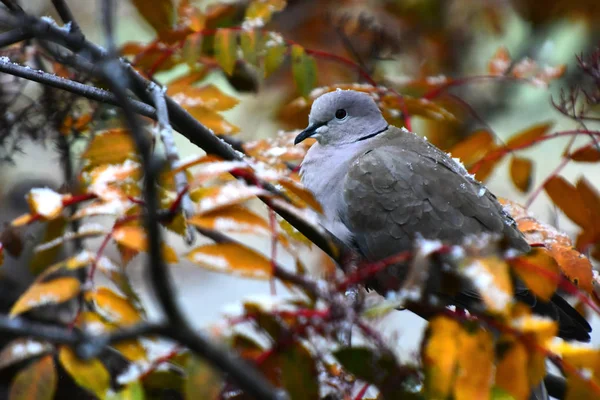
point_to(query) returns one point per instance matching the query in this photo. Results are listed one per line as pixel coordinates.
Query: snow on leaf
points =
(45, 202)
(36, 381)
(215, 197)
(104, 180)
(500, 62)
(232, 258)
(492, 279)
(114, 308)
(90, 375)
(42, 293)
(22, 349)
(207, 171)
(84, 231)
(232, 219)
(274, 53)
(208, 96)
(541, 328)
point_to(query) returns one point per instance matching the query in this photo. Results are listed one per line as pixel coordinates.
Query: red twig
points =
(273, 228)
(362, 392)
(156, 363)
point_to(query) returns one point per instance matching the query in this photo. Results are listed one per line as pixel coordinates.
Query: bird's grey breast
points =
(323, 172)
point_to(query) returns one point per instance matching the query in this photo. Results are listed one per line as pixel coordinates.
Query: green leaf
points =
(37, 381)
(225, 49)
(304, 70)
(160, 14)
(377, 368)
(249, 41)
(203, 381)
(42, 259)
(133, 391)
(299, 373)
(274, 54)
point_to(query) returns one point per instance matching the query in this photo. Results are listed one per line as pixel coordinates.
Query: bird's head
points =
(342, 117)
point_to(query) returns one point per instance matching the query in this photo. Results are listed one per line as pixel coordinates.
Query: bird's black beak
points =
(308, 132)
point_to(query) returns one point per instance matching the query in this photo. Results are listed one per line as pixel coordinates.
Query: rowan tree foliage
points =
(113, 117)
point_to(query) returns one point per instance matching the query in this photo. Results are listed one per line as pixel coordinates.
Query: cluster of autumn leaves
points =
(460, 358)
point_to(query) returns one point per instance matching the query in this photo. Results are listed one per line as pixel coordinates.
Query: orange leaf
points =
(486, 167)
(53, 292)
(37, 381)
(528, 135)
(208, 96)
(160, 14)
(586, 154)
(574, 266)
(473, 148)
(232, 258)
(134, 238)
(215, 197)
(302, 196)
(184, 82)
(500, 62)
(45, 202)
(511, 371)
(115, 308)
(567, 198)
(475, 365)
(110, 147)
(590, 197)
(539, 271)
(520, 173)
(441, 356)
(213, 120)
(232, 219)
(90, 375)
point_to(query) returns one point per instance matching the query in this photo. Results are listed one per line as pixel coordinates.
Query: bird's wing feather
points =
(404, 186)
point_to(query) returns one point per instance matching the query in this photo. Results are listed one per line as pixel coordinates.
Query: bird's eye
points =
(341, 114)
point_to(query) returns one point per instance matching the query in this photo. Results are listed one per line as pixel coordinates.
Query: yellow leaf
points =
(232, 219)
(304, 70)
(108, 181)
(45, 202)
(541, 328)
(115, 309)
(133, 391)
(51, 244)
(95, 324)
(441, 356)
(259, 12)
(491, 277)
(475, 365)
(110, 147)
(521, 170)
(511, 371)
(53, 292)
(22, 220)
(90, 375)
(249, 40)
(37, 381)
(232, 258)
(539, 271)
(225, 49)
(134, 238)
(160, 14)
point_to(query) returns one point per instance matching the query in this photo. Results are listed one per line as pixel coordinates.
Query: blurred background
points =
(400, 43)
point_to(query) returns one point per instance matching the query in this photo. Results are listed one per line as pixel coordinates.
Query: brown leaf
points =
(539, 271)
(115, 308)
(528, 135)
(90, 375)
(52, 292)
(202, 382)
(500, 62)
(473, 148)
(22, 349)
(160, 14)
(521, 173)
(586, 154)
(232, 258)
(566, 197)
(37, 381)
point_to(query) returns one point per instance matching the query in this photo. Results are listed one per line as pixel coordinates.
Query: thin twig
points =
(166, 135)
(13, 36)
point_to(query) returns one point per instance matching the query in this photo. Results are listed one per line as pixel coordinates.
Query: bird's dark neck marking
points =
(373, 134)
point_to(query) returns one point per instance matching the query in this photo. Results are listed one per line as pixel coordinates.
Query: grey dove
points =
(381, 187)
